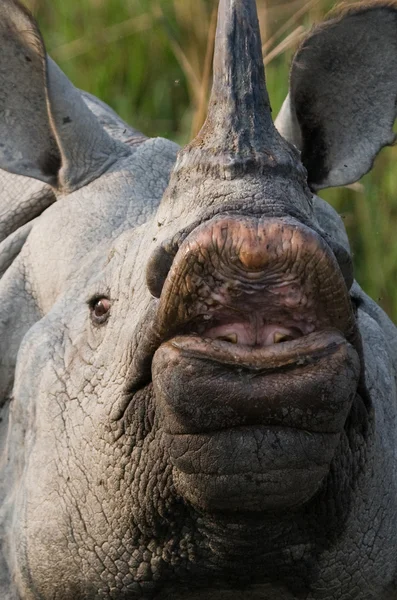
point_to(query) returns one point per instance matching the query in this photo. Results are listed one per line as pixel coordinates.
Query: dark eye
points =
(100, 309)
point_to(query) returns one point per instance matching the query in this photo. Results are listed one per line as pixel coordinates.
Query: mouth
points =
(282, 355)
(258, 334)
(252, 285)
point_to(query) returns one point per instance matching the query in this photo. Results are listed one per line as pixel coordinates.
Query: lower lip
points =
(253, 429)
(203, 386)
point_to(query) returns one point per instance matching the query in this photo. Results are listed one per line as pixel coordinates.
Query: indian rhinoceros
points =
(198, 401)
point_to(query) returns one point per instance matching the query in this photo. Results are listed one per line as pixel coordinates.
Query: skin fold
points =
(198, 402)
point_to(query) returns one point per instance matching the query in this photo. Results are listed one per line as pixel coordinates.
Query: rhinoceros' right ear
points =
(343, 87)
(46, 130)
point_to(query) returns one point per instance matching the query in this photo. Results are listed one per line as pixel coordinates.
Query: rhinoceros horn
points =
(238, 136)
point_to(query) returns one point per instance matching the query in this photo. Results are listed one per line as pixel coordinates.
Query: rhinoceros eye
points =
(100, 309)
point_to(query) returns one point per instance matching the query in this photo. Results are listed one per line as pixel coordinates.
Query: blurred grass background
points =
(151, 61)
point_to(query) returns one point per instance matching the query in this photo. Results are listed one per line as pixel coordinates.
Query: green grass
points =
(149, 59)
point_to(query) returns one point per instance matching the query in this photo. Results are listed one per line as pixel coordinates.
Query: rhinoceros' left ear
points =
(343, 87)
(46, 130)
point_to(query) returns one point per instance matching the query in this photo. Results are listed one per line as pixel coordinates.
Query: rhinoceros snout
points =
(258, 344)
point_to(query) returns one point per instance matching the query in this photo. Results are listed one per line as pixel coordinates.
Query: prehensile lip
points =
(230, 268)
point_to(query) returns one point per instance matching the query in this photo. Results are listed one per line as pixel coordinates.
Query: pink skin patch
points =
(284, 319)
(251, 334)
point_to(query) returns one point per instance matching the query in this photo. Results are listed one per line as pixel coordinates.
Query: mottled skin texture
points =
(94, 502)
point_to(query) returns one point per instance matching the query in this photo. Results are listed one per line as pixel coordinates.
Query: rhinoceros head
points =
(197, 398)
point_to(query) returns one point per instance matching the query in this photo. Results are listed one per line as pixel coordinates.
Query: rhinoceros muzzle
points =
(259, 363)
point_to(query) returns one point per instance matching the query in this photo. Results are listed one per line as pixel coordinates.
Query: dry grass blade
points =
(193, 80)
(105, 36)
(32, 5)
(191, 76)
(288, 24)
(356, 187)
(201, 112)
(292, 39)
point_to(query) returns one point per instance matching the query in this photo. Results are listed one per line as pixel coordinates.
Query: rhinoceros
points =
(197, 399)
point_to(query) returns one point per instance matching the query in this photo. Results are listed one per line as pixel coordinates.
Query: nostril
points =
(158, 268)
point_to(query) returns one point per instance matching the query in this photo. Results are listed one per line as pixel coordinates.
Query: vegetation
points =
(151, 61)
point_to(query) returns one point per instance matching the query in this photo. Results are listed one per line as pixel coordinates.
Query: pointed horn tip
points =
(239, 115)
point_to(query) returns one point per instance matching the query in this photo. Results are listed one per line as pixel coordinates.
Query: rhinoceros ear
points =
(46, 130)
(343, 87)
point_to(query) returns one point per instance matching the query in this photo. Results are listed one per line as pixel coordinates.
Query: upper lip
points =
(189, 303)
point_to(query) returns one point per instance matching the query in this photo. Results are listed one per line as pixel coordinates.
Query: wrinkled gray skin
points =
(96, 500)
